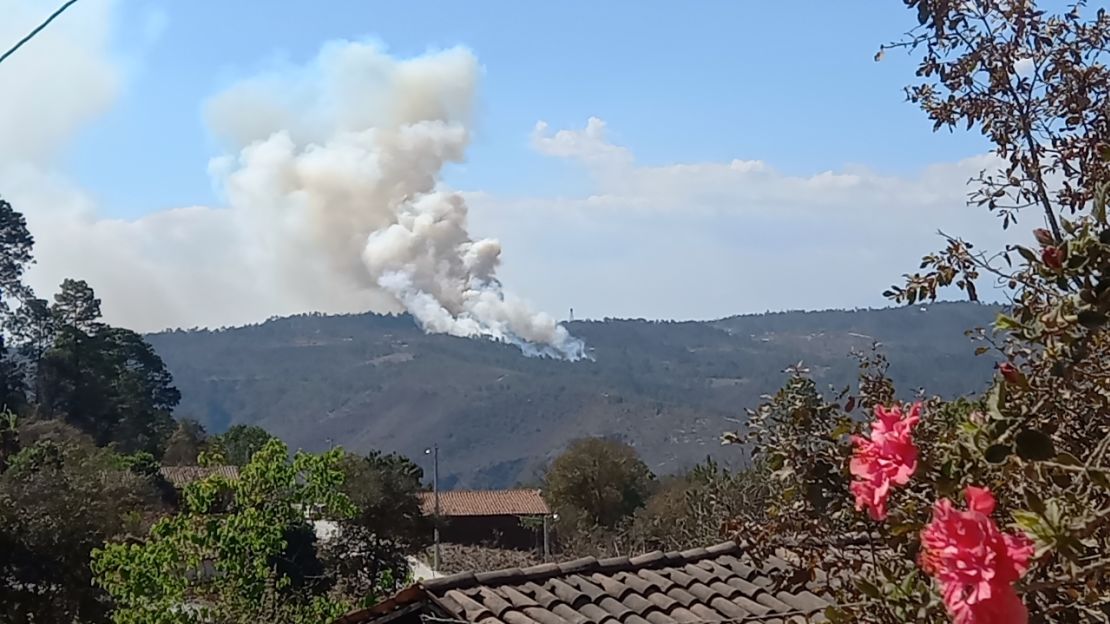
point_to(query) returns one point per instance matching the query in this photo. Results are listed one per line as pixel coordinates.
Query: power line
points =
(37, 30)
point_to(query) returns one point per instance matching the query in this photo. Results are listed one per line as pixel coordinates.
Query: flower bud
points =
(1010, 372)
(1052, 257)
(1044, 237)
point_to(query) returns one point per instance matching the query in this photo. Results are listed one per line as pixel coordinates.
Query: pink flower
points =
(975, 563)
(1053, 257)
(888, 457)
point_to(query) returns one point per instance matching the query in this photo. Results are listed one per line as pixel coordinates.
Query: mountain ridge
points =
(670, 388)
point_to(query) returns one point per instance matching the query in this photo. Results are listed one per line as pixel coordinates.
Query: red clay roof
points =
(486, 503)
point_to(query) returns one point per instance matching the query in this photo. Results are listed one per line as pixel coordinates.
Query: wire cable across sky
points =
(37, 30)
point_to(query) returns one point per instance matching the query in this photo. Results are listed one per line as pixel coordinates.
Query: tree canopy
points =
(106, 381)
(598, 480)
(239, 443)
(384, 489)
(60, 497)
(238, 551)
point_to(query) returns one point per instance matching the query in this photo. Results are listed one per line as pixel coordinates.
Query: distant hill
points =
(670, 388)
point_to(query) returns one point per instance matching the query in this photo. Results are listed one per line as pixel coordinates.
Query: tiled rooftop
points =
(486, 503)
(180, 476)
(715, 584)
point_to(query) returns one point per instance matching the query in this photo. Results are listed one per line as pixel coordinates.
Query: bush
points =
(598, 482)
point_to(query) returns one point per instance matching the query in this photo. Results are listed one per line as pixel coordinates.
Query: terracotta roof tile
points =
(698, 586)
(180, 476)
(486, 503)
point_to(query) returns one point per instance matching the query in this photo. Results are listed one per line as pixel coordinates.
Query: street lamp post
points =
(434, 452)
(546, 538)
(547, 520)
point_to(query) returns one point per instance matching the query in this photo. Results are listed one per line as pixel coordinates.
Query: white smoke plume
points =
(341, 162)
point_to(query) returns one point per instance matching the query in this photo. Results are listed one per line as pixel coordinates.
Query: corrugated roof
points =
(715, 584)
(180, 476)
(486, 503)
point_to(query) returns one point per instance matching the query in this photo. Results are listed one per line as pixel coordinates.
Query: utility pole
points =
(434, 451)
(546, 537)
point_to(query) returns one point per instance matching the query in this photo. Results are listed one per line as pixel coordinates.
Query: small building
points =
(716, 584)
(504, 518)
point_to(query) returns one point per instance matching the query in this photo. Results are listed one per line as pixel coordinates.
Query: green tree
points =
(32, 331)
(362, 567)
(9, 438)
(385, 491)
(227, 556)
(104, 380)
(61, 497)
(239, 443)
(693, 508)
(599, 481)
(15, 254)
(186, 444)
(32, 327)
(76, 306)
(12, 386)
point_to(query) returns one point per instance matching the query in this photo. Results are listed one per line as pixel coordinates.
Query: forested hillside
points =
(669, 388)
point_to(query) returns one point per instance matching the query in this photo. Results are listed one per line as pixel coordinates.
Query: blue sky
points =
(698, 159)
(790, 83)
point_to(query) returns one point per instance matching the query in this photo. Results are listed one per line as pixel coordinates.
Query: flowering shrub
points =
(1030, 455)
(975, 563)
(886, 458)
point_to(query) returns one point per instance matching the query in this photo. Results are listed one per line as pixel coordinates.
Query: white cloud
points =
(708, 239)
(589, 146)
(58, 81)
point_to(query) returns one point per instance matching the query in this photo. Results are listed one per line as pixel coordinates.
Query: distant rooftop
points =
(486, 503)
(180, 476)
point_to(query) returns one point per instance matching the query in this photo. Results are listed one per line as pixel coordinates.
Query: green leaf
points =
(996, 400)
(1033, 445)
(1068, 459)
(1026, 253)
(1033, 524)
(869, 589)
(1034, 502)
(1006, 323)
(904, 528)
(997, 453)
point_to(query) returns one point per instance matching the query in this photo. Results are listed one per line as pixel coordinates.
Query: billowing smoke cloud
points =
(330, 183)
(343, 158)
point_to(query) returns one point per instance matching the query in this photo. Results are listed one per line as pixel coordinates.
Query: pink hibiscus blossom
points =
(975, 563)
(888, 457)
